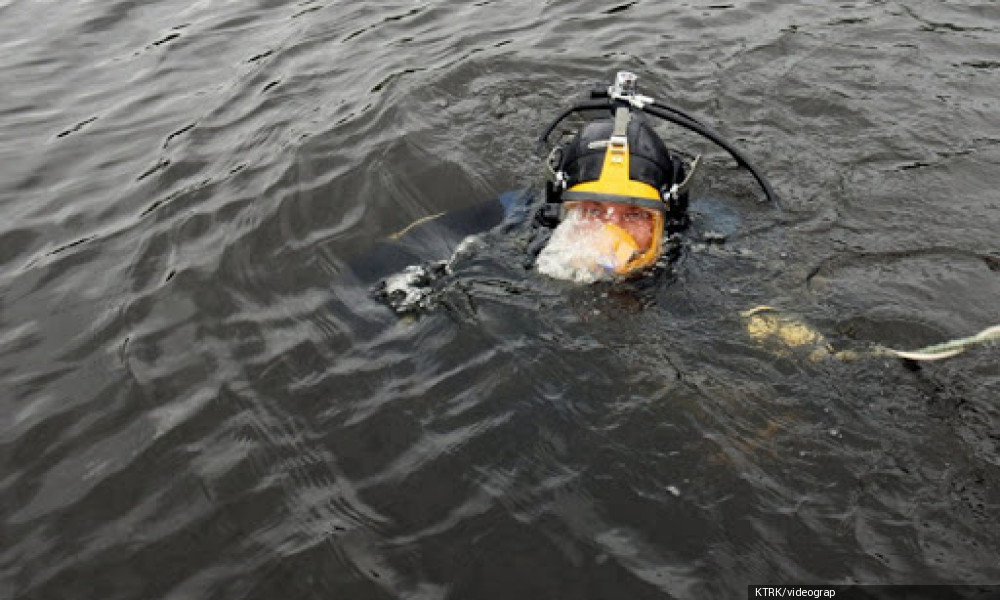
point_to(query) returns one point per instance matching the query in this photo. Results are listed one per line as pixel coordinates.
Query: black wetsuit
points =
(436, 239)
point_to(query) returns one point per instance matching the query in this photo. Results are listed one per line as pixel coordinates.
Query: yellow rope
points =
(792, 333)
(419, 221)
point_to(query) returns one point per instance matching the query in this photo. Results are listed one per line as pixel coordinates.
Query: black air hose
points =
(674, 115)
(603, 93)
(544, 138)
(697, 127)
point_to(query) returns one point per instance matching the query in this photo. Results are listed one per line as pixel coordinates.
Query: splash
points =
(586, 251)
(419, 287)
(412, 289)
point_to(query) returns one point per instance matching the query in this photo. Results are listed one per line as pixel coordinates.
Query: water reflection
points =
(203, 401)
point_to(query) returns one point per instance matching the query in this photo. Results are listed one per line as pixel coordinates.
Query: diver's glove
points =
(412, 289)
(419, 288)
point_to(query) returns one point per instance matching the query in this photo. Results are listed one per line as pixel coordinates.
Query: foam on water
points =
(585, 251)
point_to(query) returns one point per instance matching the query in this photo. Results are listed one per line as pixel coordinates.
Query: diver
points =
(617, 170)
(614, 197)
(614, 191)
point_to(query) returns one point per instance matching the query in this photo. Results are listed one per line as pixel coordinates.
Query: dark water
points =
(200, 399)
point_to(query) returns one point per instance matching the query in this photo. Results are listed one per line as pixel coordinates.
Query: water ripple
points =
(202, 400)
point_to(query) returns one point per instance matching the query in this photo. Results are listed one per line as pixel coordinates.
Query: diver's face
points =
(638, 222)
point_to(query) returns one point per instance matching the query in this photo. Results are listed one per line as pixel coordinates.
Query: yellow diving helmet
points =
(616, 169)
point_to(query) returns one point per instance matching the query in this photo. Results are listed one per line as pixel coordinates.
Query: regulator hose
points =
(697, 127)
(603, 93)
(597, 105)
(673, 115)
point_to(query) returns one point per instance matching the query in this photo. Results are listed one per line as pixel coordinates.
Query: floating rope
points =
(763, 325)
(945, 349)
(420, 221)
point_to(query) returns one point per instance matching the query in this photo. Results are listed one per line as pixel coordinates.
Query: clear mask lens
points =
(638, 221)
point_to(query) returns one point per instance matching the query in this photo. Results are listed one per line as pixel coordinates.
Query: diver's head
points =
(618, 172)
(616, 162)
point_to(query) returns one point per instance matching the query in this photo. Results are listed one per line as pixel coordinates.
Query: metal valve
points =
(624, 89)
(625, 84)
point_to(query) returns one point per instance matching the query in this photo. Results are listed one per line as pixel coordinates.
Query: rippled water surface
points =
(201, 399)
